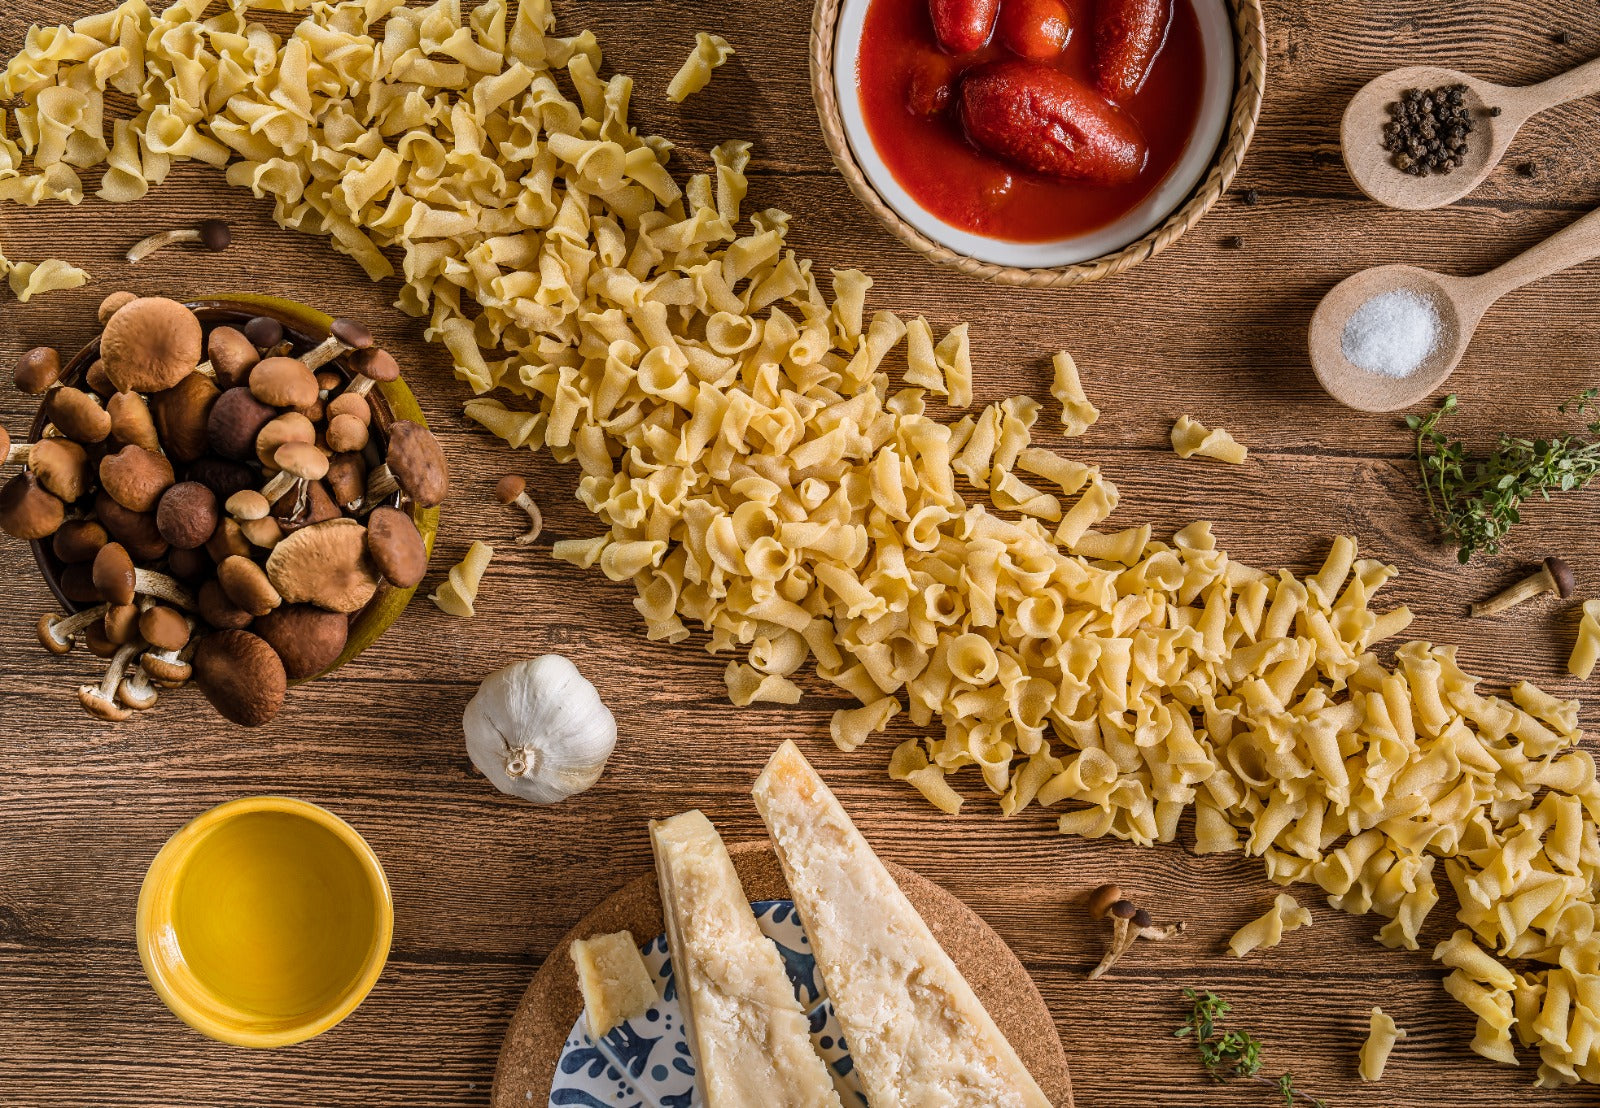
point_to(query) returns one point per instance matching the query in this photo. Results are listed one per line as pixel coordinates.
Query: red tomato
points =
(1036, 29)
(1043, 120)
(1128, 36)
(963, 25)
(930, 85)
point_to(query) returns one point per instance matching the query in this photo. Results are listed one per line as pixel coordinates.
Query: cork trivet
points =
(550, 1006)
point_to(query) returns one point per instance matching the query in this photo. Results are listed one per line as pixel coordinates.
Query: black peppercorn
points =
(1233, 242)
(1427, 130)
(1250, 198)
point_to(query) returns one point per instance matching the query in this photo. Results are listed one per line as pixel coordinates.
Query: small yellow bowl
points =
(264, 922)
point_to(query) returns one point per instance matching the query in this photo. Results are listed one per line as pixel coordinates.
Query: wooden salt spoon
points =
(1459, 301)
(1372, 167)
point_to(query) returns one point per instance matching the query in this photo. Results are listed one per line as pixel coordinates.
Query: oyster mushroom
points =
(181, 414)
(101, 700)
(512, 492)
(150, 344)
(397, 547)
(538, 730)
(63, 468)
(119, 580)
(213, 234)
(135, 477)
(187, 515)
(372, 366)
(308, 639)
(283, 383)
(56, 633)
(37, 370)
(415, 465)
(245, 584)
(241, 675)
(77, 415)
(325, 564)
(343, 335)
(28, 510)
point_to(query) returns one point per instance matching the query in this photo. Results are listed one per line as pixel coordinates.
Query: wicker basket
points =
(1250, 52)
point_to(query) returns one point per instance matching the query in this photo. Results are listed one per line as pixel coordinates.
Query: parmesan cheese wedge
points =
(917, 1034)
(613, 979)
(750, 1038)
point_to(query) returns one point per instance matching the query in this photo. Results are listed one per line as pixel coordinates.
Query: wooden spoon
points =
(1372, 167)
(1459, 301)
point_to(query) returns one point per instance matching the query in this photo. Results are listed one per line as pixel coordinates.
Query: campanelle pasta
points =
(1268, 930)
(709, 52)
(1382, 1034)
(457, 595)
(1191, 438)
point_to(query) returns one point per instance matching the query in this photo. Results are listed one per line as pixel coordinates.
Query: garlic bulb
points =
(537, 729)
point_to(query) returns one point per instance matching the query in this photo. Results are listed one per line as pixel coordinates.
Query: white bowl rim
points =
(1216, 37)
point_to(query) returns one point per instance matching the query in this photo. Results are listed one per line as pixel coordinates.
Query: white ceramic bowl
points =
(1216, 37)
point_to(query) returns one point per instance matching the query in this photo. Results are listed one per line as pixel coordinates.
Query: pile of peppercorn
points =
(1428, 130)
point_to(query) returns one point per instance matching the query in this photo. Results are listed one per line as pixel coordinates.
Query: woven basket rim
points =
(1249, 33)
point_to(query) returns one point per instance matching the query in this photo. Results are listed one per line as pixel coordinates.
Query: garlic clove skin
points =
(538, 730)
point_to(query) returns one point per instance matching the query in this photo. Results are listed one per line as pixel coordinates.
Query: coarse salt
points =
(1392, 333)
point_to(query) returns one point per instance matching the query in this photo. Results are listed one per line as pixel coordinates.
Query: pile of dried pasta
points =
(760, 475)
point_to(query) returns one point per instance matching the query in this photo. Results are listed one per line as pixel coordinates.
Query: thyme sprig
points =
(1476, 500)
(1230, 1054)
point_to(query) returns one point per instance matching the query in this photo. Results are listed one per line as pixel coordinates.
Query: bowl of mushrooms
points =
(239, 492)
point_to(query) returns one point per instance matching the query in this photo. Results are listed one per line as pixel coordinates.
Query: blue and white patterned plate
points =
(645, 1063)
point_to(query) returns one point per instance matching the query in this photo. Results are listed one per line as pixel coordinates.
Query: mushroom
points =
(397, 547)
(236, 419)
(347, 480)
(101, 700)
(325, 564)
(187, 515)
(181, 415)
(248, 504)
(226, 541)
(28, 510)
(298, 464)
(287, 428)
(56, 632)
(415, 465)
(112, 304)
(294, 512)
(343, 335)
(241, 675)
(230, 356)
(224, 477)
(169, 634)
(1129, 923)
(119, 580)
(371, 366)
(283, 383)
(265, 532)
(37, 370)
(131, 421)
(220, 612)
(77, 415)
(537, 729)
(137, 531)
(345, 434)
(9, 454)
(135, 477)
(150, 344)
(264, 332)
(94, 637)
(213, 234)
(95, 377)
(350, 404)
(1553, 575)
(135, 690)
(245, 584)
(122, 623)
(308, 639)
(63, 467)
(77, 541)
(512, 491)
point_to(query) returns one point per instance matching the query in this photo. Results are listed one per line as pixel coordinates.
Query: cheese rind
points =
(615, 983)
(750, 1037)
(918, 1036)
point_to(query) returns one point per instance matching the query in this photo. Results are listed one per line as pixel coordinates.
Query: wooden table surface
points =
(484, 884)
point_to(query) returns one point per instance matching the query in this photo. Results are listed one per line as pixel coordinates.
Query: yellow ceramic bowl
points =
(265, 921)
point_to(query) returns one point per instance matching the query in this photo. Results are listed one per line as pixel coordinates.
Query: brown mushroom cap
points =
(135, 530)
(241, 675)
(346, 433)
(187, 514)
(302, 460)
(283, 383)
(264, 331)
(232, 356)
(112, 304)
(374, 362)
(417, 462)
(247, 504)
(131, 421)
(350, 333)
(5, 444)
(135, 477)
(28, 510)
(235, 420)
(1101, 900)
(509, 488)
(396, 546)
(218, 611)
(79, 540)
(114, 574)
(97, 380)
(287, 428)
(325, 564)
(1561, 573)
(94, 637)
(308, 639)
(348, 403)
(227, 541)
(122, 623)
(77, 415)
(77, 584)
(164, 628)
(223, 477)
(150, 344)
(37, 370)
(63, 467)
(190, 566)
(245, 583)
(347, 479)
(181, 414)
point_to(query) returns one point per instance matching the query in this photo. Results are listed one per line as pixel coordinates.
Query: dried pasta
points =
(1077, 414)
(1382, 1034)
(29, 279)
(457, 595)
(1191, 438)
(1268, 930)
(709, 52)
(1586, 651)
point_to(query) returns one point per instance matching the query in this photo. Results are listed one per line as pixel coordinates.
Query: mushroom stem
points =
(135, 691)
(150, 583)
(170, 668)
(512, 492)
(100, 700)
(1130, 923)
(281, 482)
(381, 484)
(16, 452)
(1122, 937)
(56, 634)
(344, 335)
(1553, 575)
(212, 233)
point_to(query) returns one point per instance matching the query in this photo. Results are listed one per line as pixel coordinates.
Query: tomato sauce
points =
(907, 84)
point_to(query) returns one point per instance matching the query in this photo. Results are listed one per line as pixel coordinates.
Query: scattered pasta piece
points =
(615, 983)
(1190, 438)
(1382, 1034)
(458, 593)
(709, 52)
(1268, 931)
(850, 727)
(28, 279)
(1077, 414)
(1586, 651)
